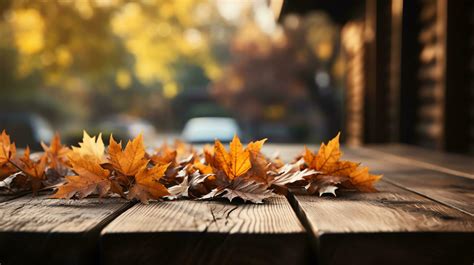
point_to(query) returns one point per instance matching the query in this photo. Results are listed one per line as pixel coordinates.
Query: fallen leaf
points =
(7, 148)
(147, 185)
(236, 162)
(130, 160)
(56, 153)
(333, 172)
(362, 180)
(291, 173)
(251, 191)
(324, 184)
(189, 182)
(90, 178)
(260, 164)
(164, 155)
(91, 147)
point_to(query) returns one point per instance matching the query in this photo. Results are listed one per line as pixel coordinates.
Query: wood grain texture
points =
(38, 230)
(454, 164)
(458, 192)
(206, 232)
(393, 226)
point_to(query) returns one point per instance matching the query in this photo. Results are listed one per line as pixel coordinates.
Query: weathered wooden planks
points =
(4, 197)
(393, 226)
(206, 232)
(37, 230)
(454, 164)
(449, 189)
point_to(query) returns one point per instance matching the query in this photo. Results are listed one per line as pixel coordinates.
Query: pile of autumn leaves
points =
(174, 172)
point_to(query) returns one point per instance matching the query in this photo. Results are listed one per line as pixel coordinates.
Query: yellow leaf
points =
(92, 148)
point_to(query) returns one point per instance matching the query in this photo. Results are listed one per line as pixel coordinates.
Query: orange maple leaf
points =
(147, 185)
(236, 162)
(363, 180)
(328, 155)
(164, 155)
(7, 148)
(91, 177)
(130, 160)
(33, 169)
(56, 153)
(333, 171)
(203, 169)
(7, 152)
(260, 164)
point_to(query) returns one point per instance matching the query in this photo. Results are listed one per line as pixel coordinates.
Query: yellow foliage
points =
(28, 29)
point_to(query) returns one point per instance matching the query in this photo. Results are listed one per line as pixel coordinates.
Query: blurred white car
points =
(207, 129)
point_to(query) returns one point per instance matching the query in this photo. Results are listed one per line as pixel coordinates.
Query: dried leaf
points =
(91, 147)
(236, 162)
(56, 153)
(291, 173)
(251, 191)
(362, 180)
(333, 171)
(31, 168)
(189, 182)
(147, 185)
(164, 155)
(324, 183)
(130, 160)
(330, 189)
(7, 148)
(260, 164)
(91, 178)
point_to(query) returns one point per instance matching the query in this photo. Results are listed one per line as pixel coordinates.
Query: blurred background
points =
(291, 71)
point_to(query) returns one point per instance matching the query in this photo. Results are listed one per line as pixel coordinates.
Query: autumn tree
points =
(273, 77)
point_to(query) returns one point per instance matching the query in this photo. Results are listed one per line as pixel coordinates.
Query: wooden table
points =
(423, 214)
